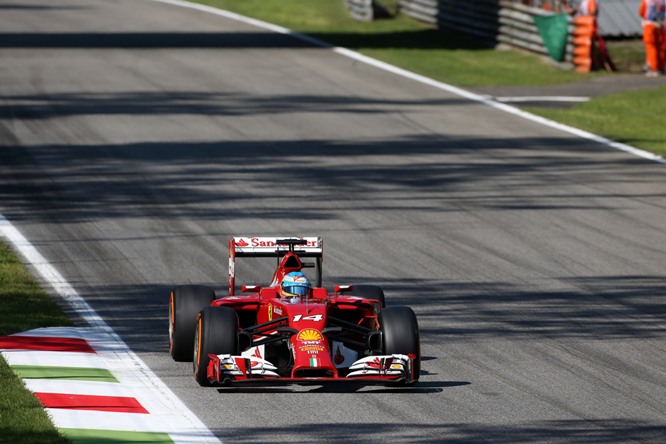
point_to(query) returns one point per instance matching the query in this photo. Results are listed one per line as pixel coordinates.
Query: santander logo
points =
(267, 242)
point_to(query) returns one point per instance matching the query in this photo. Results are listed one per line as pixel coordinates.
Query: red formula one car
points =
(291, 331)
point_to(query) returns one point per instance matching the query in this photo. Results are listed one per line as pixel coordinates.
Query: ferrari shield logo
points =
(309, 334)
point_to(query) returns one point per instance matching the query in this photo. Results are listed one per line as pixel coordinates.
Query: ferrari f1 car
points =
(291, 331)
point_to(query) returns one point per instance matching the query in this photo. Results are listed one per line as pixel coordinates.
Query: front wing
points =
(226, 368)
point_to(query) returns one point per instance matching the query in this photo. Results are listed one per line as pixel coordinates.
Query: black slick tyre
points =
(369, 292)
(185, 303)
(216, 333)
(400, 334)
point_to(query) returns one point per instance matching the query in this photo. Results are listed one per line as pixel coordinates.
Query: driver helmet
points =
(295, 285)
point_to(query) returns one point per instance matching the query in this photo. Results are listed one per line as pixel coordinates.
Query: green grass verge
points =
(87, 436)
(628, 117)
(23, 306)
(464, 61)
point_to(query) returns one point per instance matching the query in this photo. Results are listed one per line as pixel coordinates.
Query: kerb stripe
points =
(90, 402)
(64, 373)
(44, 343)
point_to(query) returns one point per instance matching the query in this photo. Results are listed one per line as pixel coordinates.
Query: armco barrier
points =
(494, 21)
(361, 10)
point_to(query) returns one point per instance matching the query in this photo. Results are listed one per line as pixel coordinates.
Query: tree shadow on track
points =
(150, 40)
(197, 103)
(36, 7)
(559, 431)
(344, 387)
(593, 307)
(169, 176)
(626, 307)
(416, 39)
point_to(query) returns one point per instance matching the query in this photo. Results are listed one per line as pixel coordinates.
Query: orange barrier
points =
(585, 21)
(582, 41)
(582, 51)
(584, 33)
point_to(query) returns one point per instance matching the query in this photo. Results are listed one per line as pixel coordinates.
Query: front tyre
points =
(216, 333)
(185, 302)
(400, 334)
(368, 291)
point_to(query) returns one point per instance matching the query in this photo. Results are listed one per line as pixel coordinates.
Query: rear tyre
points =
(400, 334)
(185, 302)
(369, 292)
(216, 333)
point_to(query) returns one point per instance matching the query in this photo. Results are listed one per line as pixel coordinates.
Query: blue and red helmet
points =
(295, 284)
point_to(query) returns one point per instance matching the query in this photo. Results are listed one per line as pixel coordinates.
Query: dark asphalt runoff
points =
(136, 137)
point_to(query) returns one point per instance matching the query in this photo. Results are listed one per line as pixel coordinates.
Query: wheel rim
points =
(172, 320)
(197, 346)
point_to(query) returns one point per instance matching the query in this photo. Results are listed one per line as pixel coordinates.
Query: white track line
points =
(419, 78)
(124, 363)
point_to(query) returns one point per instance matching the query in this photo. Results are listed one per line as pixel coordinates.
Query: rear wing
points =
(262, 246)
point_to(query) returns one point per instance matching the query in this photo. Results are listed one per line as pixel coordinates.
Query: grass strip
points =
(629, 117)
(23, 419)
(23, 306)
(87, 436)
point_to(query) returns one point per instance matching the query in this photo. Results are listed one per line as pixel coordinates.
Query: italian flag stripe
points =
(88, 436)
(117, 404)
(45, 343)
(64, 373)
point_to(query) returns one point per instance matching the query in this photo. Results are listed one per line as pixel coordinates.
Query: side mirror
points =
(251, 288)
(343, 289)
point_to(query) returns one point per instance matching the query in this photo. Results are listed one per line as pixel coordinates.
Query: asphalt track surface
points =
(136, 137)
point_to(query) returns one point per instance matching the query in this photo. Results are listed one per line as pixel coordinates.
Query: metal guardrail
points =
(361, 10)
(494, 21)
